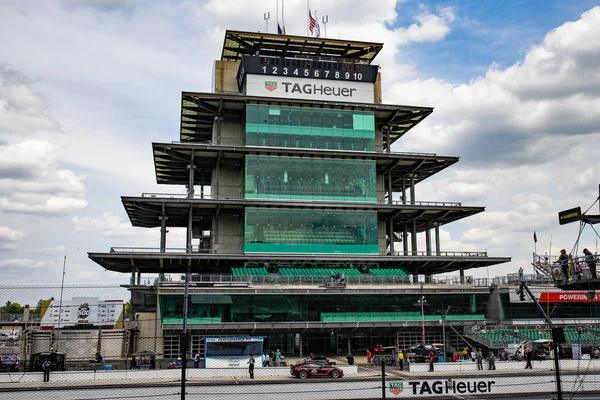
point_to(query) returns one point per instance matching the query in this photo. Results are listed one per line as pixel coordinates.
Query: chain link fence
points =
(86, 342)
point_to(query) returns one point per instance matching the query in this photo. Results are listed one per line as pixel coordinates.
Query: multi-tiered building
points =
(291, 178)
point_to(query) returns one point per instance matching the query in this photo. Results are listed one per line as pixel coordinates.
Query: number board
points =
(297, 68)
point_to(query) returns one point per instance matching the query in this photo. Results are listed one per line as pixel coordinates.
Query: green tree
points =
(11, 308)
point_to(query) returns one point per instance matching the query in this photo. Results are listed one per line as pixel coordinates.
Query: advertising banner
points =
(309, 89)
(83, 312)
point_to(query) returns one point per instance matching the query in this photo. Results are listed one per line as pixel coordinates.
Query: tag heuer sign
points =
(396, 387)
(270, 85)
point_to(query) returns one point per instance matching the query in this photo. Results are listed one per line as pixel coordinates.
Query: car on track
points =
(309, 370)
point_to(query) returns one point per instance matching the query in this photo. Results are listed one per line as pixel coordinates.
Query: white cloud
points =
(429, 27)
(10, 238)
(34, 183)
(23, 110)
(109, 224)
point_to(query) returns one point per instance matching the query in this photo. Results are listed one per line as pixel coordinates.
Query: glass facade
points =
(299, 178)
(284, 230)
(326, 308)
(309, 128)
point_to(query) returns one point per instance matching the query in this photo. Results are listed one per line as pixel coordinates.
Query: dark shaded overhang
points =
(146, 211)
(218, 263)
(199, 111)
(238, 44)
(171, 161)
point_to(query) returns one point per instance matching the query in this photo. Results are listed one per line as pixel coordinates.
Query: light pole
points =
(422, 301)
(444, 331)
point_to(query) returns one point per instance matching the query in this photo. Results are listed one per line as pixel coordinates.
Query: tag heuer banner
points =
(396, 387)
(309, 89)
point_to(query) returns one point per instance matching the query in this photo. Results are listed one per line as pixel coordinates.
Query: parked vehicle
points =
(8, 337)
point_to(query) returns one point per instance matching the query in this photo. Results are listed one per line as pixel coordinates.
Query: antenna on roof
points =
(266, 17)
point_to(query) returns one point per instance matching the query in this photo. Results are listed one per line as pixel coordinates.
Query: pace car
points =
(307, 370)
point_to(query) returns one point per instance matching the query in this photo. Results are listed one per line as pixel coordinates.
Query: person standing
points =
(491, 360)
(369, 357)
(465, 353)
(46, 365)
(251, 367)
(479, 358)
(529, 357)
(520, 273)
(401, 360)
(265, 359)
(277, 357)
(99, 358)
(133, 363)
(563, 260)
(394, 357)
(197, 360)
(591, 262)
(431, 360)
(350, 359)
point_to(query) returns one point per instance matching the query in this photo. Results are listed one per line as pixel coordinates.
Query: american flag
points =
(311, 22)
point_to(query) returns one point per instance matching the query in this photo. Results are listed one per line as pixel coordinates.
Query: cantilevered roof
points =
(171, 161)
(199, 110)
(221, 263)
(238, 44)
(146, 211)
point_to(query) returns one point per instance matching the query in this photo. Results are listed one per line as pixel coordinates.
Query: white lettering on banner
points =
(306, 88)
(450, 387)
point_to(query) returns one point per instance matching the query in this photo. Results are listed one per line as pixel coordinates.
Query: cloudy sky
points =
(87, 85)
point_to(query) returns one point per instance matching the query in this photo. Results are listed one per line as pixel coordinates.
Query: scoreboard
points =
(298, 68)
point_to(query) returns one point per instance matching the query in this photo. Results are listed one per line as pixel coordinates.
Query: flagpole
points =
(277, 12)
(282, 18)
(307, 16)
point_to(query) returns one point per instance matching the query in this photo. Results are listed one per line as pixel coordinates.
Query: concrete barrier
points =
(158, 374)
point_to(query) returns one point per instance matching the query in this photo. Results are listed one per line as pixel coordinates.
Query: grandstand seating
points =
(392, 272)
(249, 272)
(309, 236)
(317, 272)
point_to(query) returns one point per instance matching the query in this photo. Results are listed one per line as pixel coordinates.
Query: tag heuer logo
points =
(270, 86)
(396, 387)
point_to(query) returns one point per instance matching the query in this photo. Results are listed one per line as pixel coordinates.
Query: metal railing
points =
(196, 249)
(240, 198)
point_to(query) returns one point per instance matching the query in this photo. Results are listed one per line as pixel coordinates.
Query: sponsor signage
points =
(568, 216)
(449, 387)
(298, 68)
(309, 89)
(90, 312)
(396, 387)
(234, 339)
(568, 297)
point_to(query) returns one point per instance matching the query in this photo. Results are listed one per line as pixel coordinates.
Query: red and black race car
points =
(306, 370)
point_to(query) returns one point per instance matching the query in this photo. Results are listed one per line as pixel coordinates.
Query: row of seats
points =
(317, 272)
(249, 271)
(308, 236)
(390, 272)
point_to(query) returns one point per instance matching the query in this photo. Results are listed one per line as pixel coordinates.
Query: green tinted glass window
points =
(296, 178)
(282, 230)
(309, 128)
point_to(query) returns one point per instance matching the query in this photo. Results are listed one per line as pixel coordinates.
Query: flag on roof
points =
(317, 28)
(279, 30)
(534, 237)
(311, 22)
